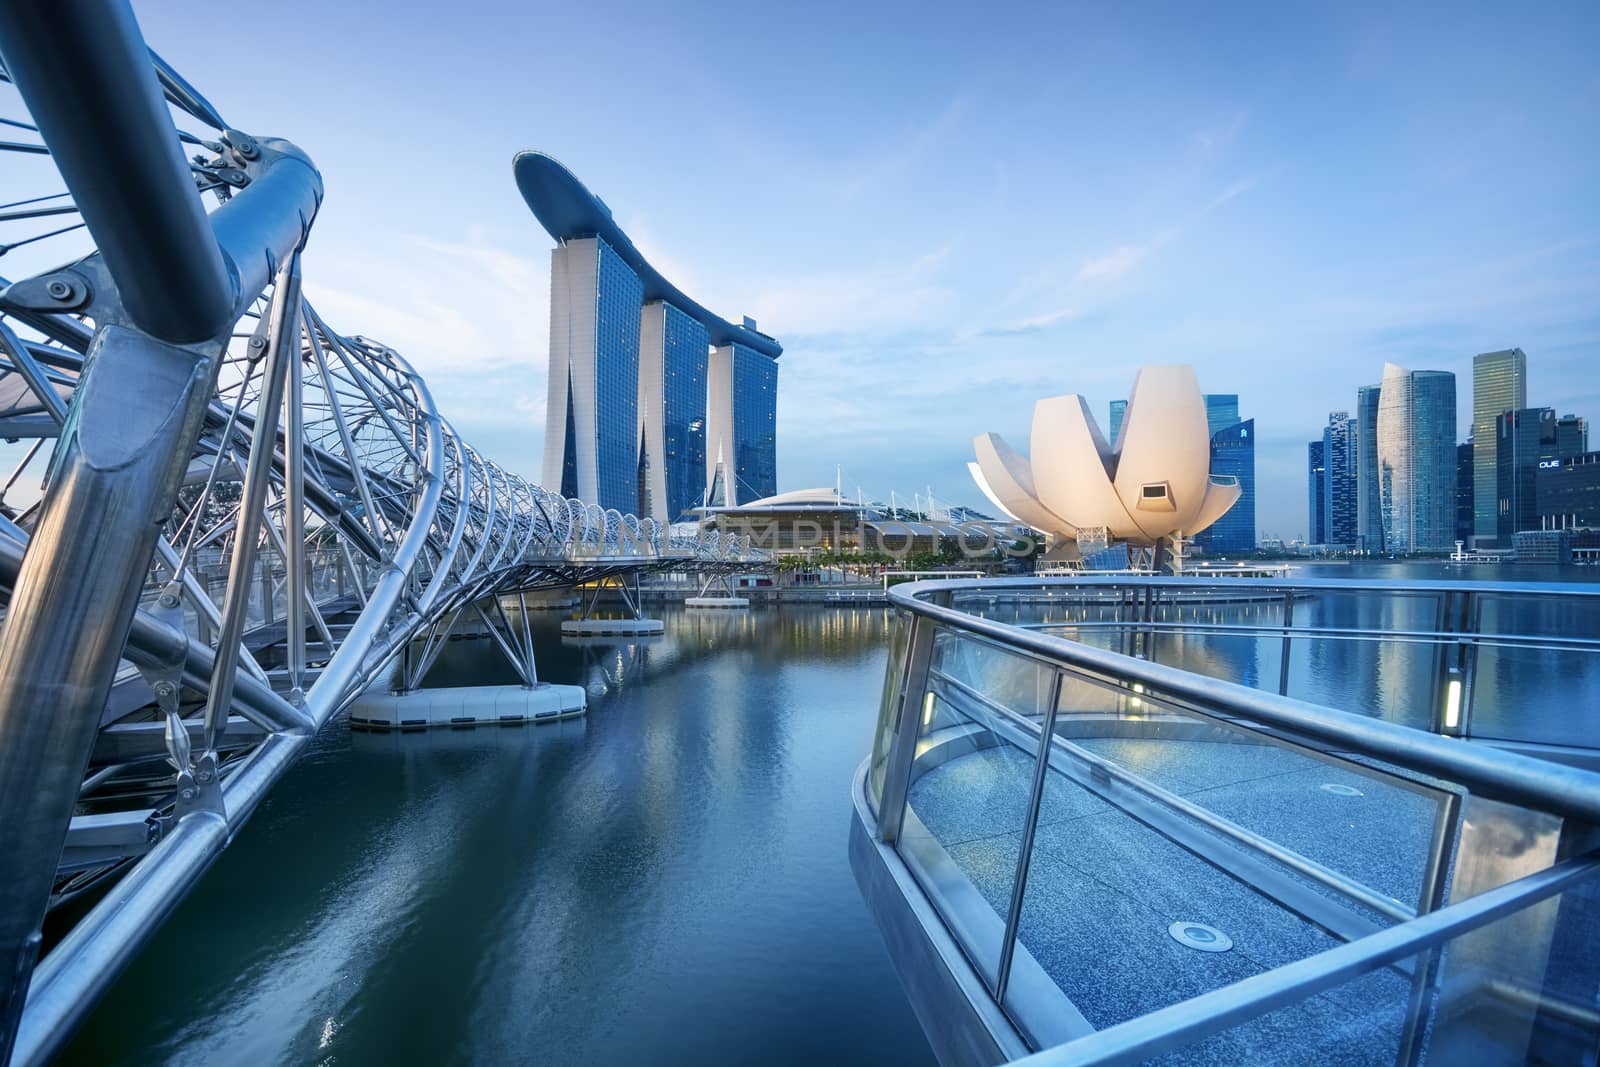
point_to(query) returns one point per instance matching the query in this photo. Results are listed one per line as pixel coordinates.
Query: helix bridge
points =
(221, 518)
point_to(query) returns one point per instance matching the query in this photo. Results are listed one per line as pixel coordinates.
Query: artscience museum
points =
(1150, 485)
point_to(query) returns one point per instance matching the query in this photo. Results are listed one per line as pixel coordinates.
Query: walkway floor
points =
(1104, 888)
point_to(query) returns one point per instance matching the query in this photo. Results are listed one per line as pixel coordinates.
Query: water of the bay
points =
(663, 881)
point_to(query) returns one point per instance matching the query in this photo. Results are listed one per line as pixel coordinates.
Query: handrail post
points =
(1019, 884)
(907, 722)
(1283, 659)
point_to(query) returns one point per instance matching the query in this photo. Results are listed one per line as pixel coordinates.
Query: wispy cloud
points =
(880, 296)
(901, 153)
(1047, 319)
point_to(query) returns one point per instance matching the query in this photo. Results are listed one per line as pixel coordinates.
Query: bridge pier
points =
(727, 598)
(407, 706)
(636, 625)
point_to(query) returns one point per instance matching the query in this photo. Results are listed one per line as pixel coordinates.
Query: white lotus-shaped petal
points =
(1153, 482)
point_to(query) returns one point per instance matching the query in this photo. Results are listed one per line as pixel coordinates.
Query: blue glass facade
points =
(1339, 521)
(755, 424)
(1434, 397)
(1316, 493)
(683, 406)
(618, 295)
(1369, 511)
(1222, 411)
(1233, 453)
(1119, 408)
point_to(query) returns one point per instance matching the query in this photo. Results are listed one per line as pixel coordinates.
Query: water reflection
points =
(1544, 695)
(664, 880)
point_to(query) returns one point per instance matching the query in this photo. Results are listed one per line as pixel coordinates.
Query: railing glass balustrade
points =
(1111, 841)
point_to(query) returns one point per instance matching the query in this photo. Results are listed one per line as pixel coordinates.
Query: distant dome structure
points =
(1152, 484)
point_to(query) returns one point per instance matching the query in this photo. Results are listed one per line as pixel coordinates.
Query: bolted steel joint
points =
(243, 144)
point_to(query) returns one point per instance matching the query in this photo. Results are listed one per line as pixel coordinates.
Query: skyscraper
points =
(1339, 485)
(1316, 491)
(1499, 384)
(1416, 459)
(1464, 474)
(592, 416)
(1222, 411)
(741, 425)
(1525, 441)
(1118, 409)
(672, 411)
(1233, 453)
(641, 416)
(1572, 436)
(1369, 513)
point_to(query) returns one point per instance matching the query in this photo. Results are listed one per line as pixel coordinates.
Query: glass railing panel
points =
(1549, 693)
(883, 735)
(1367, 665)
(1154, 815)
(1191, 631)
(1499, 994)
(972, 779)
(1077, 611)
(1361, 824)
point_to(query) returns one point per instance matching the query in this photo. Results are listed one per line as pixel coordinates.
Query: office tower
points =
(592, 418)
(1568, 493)
(1499, 384)
(1369, 515)
(1339, 480)
(1222, 411)
(1464, 491)
(633, 399)
(1118, 409)
(1233, 454)
(1416, 459)
(1525, 441)
(672, 412)
(741, 426)
(1316, 494)
(1572, 436)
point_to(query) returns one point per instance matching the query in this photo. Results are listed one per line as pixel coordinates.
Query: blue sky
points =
(946, 213)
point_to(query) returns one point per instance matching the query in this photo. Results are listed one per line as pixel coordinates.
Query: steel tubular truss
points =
(221, 518)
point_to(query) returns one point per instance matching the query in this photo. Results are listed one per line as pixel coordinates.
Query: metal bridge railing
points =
(1496, 661)
(245, 514)
(1050, 801)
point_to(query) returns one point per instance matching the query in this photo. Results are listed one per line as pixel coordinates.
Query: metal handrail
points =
(1495, 773)
(1586, 590)
(1335, 633)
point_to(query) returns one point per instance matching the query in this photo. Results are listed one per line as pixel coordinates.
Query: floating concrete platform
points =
(612, 627)
(471, 705)
(716, 602)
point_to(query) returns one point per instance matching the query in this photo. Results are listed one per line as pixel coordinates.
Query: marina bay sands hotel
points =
(656, 405)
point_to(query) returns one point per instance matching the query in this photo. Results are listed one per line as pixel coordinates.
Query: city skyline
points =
(1286, 210)
(1364, 474)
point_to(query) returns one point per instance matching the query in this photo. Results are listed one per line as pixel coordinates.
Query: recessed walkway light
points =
(1200, 936)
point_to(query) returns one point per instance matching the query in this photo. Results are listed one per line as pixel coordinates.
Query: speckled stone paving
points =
(1103, 887)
